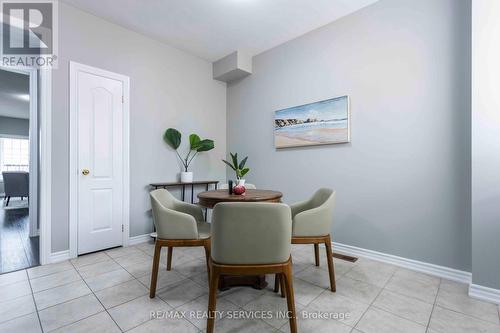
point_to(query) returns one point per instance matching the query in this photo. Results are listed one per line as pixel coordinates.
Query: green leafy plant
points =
(239, 168)
(196, 145)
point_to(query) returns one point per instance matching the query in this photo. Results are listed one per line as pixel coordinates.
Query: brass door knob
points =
(85, 172)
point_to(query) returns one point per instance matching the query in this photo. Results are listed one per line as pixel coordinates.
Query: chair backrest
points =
(251, 233)
(316, 218)
(323, 196)
(16, 183)
(169, 223)
(248, 186)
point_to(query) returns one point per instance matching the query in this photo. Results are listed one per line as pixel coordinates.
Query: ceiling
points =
(14, 95)
(211, 29)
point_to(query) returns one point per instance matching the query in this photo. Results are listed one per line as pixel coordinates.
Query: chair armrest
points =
(299, 207)
(313, 222)
(195, 211)
(171, 224)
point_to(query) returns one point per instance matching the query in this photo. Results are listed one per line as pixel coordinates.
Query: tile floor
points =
(108, 292)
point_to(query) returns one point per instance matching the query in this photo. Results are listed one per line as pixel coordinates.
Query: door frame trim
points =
(45, 167)
(73, 162)
(33, 144)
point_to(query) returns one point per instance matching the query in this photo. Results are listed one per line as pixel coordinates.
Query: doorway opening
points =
(19, 225)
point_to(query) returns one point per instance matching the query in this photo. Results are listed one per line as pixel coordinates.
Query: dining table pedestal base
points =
(227, 282)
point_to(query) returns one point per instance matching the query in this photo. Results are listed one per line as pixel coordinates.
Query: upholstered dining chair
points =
(251, 239)
(178, 224)
(248, 186)
(312, 224)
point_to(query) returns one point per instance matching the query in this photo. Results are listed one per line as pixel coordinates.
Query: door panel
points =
(102, 133)
(102, 211)
(100, 144)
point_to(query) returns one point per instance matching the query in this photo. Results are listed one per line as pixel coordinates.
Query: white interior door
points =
(100, 185)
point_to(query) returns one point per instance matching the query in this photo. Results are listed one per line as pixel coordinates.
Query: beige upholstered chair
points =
(248, 186)
(312, 224)
(178, 224)
(251, 239)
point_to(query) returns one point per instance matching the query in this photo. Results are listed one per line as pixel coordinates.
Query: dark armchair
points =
(16, 184)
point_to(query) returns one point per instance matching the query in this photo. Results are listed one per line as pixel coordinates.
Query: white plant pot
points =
(186, 177)
(240, 182)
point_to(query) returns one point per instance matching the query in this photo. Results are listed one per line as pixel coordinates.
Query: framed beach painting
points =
(319, 123)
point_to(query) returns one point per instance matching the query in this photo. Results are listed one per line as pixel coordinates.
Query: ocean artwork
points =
(319, 123)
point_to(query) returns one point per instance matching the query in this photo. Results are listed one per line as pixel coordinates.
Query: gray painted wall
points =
(486, 144)
(403, 183)
(169, 88)
(14, 126)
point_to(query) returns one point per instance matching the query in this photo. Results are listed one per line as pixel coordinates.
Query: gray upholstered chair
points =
(178, 224)
(248, 186)
(16, 184)
(251, 239)
(312, 224)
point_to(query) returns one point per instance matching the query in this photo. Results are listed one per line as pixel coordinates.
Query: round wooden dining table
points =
(209, 199)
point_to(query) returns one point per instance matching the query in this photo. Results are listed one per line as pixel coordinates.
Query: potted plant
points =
(196, 145)
(239, 168)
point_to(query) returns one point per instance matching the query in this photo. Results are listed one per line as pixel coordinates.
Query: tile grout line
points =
(157, 292)
(412, 297)
(468, 316)
(16, 298)
(42, 276)
(433, 306)
(374, 299)
(323, 292)
(61, 285)
(34, 302)
(106, 310)
(83, 280)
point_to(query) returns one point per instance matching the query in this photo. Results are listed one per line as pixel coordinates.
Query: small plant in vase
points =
(240, 170)
(196, 145)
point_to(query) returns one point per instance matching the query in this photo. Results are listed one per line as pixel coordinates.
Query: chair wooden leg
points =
(316, 254)
(288, 281)
(169, 257)
(276, 283)
(329, 258)
(282, 285)
(154, 273)
(207, 257)
(212, 299)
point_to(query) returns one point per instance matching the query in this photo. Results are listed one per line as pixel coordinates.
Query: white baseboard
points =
(139, 239)
(431, 269)
(59, 256)
(484, 293)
